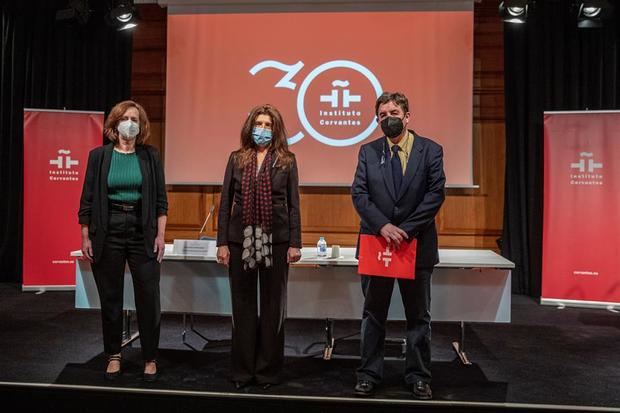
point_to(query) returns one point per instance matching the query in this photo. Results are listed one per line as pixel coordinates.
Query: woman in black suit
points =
(259, 234)
(123, 216)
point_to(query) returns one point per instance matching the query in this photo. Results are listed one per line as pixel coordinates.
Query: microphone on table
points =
(202, 237)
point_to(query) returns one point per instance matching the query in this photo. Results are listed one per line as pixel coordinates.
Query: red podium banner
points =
(581, 216)
(56, 147)
(377, 257)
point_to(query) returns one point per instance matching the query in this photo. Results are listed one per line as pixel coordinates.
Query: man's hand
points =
(393, 234)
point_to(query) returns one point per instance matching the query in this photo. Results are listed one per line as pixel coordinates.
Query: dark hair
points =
(396, 97)
(117, 112)
(279, 144)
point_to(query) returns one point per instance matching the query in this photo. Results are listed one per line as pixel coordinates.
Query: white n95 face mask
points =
(128, 128)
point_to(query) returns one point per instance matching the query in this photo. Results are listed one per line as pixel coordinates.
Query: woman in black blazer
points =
(259, 234)
(123, 216)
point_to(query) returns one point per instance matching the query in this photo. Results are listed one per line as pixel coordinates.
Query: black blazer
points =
(413, 209)
(94, 201)
(286, 222)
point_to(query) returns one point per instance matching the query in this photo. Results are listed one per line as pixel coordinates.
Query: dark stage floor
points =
(545, 356)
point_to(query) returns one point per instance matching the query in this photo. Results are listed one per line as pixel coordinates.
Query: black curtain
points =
(550, 64)
(53, 65)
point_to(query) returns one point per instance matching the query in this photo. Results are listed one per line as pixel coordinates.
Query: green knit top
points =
(124, 178)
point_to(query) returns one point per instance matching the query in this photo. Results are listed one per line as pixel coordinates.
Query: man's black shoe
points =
(422, 391)
(364, 388)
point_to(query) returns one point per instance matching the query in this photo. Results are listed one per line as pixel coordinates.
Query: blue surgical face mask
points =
(261, 136)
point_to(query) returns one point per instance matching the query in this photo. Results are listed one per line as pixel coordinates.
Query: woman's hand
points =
(160, 242)
(159, 247)
(293, 255)
(87, 249)
(223, 255)
(87, 245)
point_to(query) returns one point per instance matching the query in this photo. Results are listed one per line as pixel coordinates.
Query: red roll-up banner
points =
(56, 147)
(581, 216)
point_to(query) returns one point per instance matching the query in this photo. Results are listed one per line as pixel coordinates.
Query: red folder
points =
(377, 257)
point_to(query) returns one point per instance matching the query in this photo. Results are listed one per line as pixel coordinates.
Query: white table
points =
(466, 286)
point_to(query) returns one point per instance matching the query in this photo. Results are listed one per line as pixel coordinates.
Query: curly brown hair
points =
(115, 115)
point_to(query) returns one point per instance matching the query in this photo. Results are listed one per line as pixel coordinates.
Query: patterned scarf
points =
(257, 213)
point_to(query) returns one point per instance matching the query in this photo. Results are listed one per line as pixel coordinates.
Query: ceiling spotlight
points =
(591, 13)
(123, 15)
(124, 18)
(513, 11)
(516, 11)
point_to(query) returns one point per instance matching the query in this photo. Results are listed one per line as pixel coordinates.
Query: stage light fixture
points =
(591, 11)
(513, 11)
(590, 14)
(123, 15)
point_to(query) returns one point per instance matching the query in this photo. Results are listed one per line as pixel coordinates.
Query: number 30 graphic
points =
(285, 82)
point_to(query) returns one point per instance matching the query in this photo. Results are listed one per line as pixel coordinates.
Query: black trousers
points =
(258, 339)
(416, 295)
(124, 243)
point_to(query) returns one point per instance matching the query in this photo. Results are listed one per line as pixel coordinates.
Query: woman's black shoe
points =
(151, 377)
(115, 374)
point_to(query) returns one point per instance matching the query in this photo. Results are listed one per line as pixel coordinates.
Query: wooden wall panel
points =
(148, 80)
(470, 218)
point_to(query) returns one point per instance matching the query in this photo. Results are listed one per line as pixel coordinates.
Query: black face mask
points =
(392, 126)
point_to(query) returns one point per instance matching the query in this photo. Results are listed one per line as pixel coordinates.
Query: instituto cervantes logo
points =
(586, 171)
(385, 256)
(335, 101)
(64, 164)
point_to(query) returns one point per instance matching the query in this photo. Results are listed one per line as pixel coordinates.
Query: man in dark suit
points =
(397, 192)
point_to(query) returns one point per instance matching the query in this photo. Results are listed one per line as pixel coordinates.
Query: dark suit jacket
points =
(413, 209)
(286, 222)
(94, 202)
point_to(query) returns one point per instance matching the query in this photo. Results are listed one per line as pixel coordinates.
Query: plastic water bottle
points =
(321, 247)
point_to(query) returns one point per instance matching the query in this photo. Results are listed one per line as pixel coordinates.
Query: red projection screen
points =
(323, 71)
